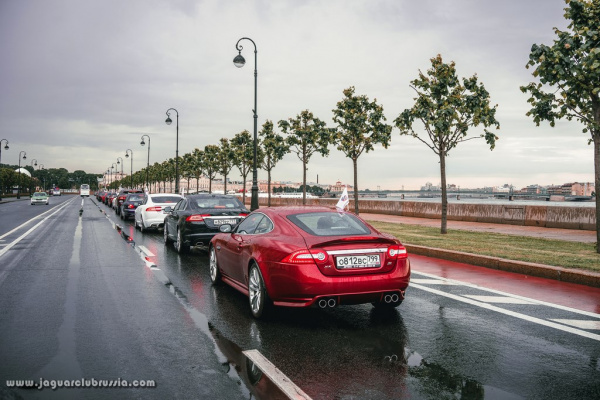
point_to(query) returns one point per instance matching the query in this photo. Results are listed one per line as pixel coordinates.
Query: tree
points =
(198, 156)
(274, 148)
(447, 109)
(210, 164)
(242, 146)
(360, 127)
(570, 69)
(225, 161)
(306, 135)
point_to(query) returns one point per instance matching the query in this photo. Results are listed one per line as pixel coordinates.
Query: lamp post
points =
(239, 62)
(19, 184)
(5, 148)
(33, 163)
(41, 166)
(120, 162)
(113, 166)
(147, 162)
(130, 165)
(168, 122)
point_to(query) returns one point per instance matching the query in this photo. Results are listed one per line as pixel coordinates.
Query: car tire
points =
(166, 234)
(257, 293)
(142, 229)
(179, 245)
(215, 274)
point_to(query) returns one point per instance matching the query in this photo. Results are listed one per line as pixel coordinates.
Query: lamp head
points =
(6, 146)
(143, 143)
(24, 156)
(126, 155)
(168, 121)
(239, 60)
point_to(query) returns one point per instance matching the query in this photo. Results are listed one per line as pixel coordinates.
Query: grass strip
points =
(554, 252)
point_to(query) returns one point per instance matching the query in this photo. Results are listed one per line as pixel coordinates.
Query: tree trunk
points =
(444, 229)
(596, 137)
(354, 164)
(269, 187)
(303, 183)
(224, 184)
(244, 190)
(209, 184)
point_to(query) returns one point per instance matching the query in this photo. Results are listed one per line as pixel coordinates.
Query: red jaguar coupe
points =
(304, 256)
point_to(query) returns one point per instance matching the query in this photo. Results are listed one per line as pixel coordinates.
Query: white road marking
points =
(528, 318)
(433, 282)
(31, 220)
(557, 306)
(498, 299)
(147, 252)
(275, 375)
(581, 324)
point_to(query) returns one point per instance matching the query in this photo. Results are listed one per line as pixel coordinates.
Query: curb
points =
(582, 277)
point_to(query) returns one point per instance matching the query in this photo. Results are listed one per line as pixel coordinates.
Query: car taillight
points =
(131, 206)
(396, 252)
(243, 215)
(196, 217)
(306, 256)
(154, 209)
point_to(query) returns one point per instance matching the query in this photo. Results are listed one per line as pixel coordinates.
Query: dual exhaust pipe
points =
(391, 298)
(330, 302)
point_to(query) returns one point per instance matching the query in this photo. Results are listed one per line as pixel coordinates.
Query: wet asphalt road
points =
(91, 297)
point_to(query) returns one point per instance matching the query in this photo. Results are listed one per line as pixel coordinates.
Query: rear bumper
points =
(304, 285)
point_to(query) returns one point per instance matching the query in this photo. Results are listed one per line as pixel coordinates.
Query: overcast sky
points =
(82, 80)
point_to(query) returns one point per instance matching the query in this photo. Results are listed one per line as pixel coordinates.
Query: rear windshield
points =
(85, 187)
(39, 194)
(135, 197)
(165, 199)
(215, 202)
(329, 224)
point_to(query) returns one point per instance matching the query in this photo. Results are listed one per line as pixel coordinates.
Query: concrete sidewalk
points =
(571, 275)
(574, 235)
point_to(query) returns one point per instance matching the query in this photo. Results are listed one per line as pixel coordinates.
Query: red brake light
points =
(197, 217)
(243, 215)
(306, 257)
(396, 251)
(154, 209)
(131, 206)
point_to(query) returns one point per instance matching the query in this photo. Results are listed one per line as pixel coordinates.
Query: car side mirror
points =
(225, 228)
(167, 209)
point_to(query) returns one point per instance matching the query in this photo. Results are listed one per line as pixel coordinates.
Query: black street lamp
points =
(168, 122)
(120, 162)
(41, 166)
(33, 163)
(130, 165)
(147, 162)
(19, 184)
(115, 167)
(239, 62)
(6, 148)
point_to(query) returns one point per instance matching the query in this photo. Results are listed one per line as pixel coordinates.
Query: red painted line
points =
(566, 294)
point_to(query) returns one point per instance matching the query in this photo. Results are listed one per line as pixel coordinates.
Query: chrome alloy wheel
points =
(215, 275)
(256, 292)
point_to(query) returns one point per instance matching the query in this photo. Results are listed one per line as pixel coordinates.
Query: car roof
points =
(210, 195)
(162, 194)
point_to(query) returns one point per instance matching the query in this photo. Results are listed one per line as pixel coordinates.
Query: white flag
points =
(344, 201)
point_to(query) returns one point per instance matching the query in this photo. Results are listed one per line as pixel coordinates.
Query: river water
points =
(465, 199)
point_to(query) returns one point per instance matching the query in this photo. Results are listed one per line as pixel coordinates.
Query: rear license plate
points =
(347, 262)
(224, 221)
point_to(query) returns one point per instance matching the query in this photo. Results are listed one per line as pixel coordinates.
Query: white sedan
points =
(149, 215)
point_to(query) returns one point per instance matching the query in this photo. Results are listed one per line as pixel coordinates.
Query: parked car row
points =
(283, 256)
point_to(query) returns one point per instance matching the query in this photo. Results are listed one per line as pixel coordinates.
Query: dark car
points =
(108, 198)
(196, 219)
(304, 256)
(99, 194)
(122, 196)
(132, 201)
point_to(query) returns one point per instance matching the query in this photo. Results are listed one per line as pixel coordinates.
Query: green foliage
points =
(225, 159)
(571, 66)
(274, 148)
(210, 163)
(447, 108)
